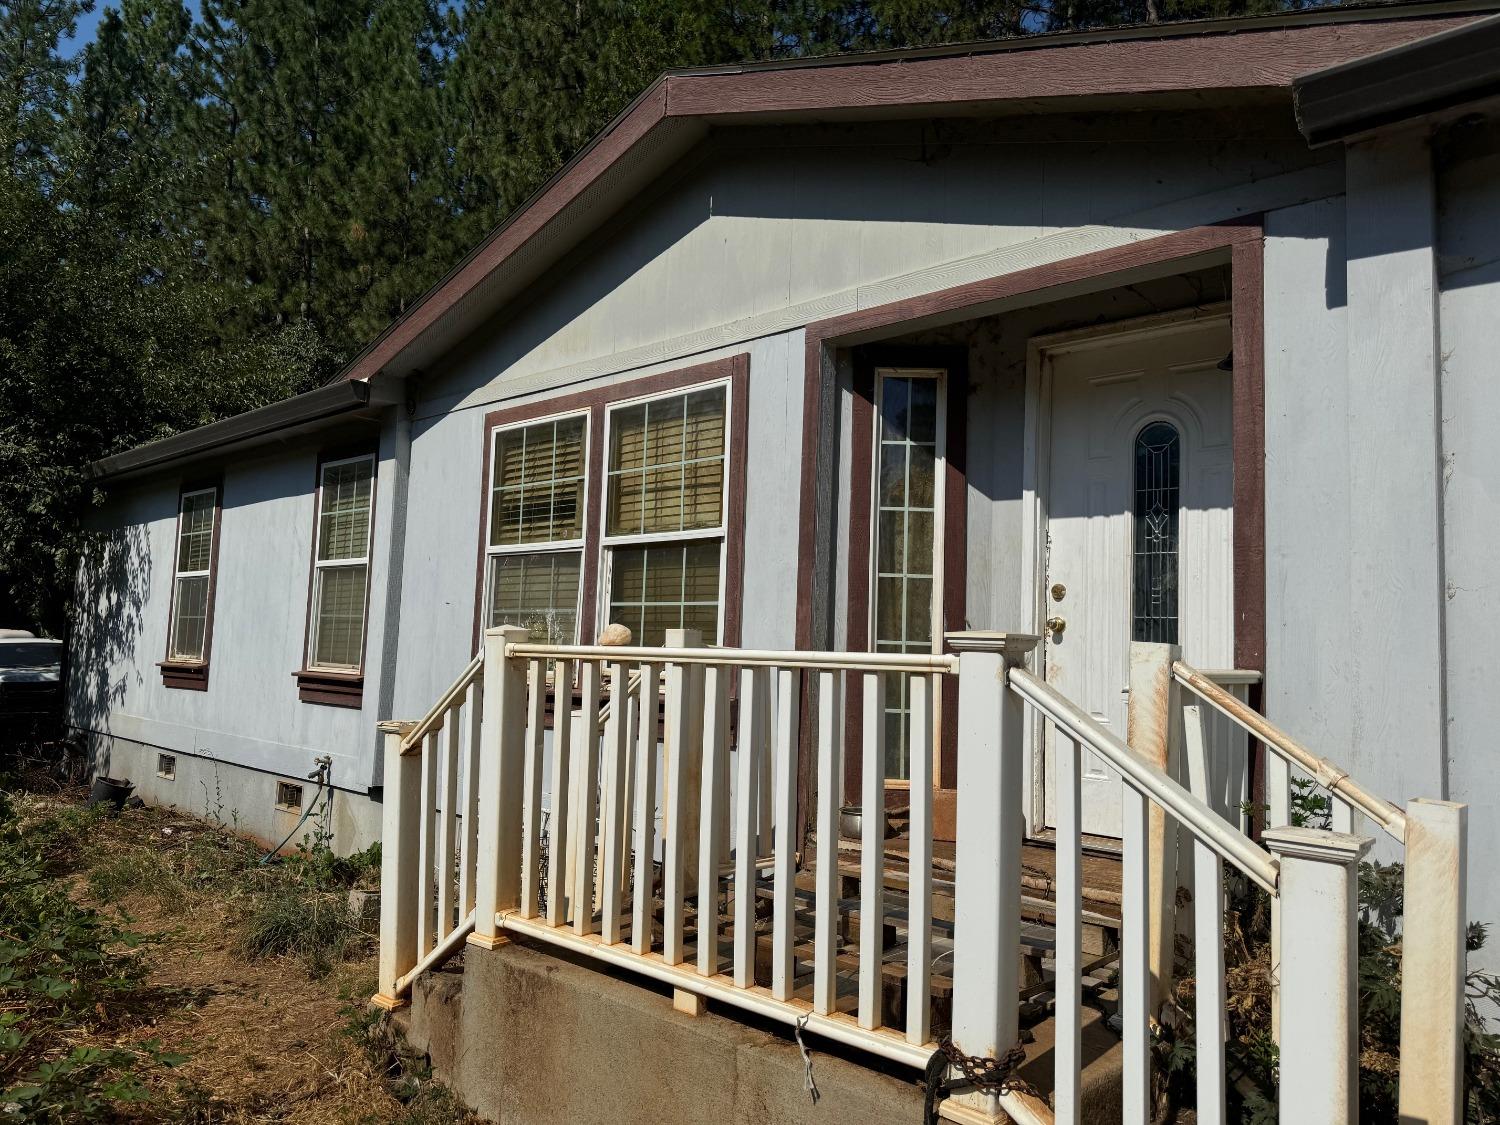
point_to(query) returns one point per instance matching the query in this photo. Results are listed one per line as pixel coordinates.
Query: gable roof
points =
(1117, 68)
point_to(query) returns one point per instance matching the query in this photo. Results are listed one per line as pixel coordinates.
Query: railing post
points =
(497, 878)
(1152, 727)
(1318, 886)
(990, 831)
(400, 829)
(1434, 962)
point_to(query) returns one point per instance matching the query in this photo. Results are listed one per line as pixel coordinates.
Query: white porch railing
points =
(642, 893)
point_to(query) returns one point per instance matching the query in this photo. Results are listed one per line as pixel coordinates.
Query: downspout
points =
(390, 642)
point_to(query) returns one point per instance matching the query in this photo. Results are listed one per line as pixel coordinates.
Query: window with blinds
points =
(341, 563)
(664, 517)
(538, 480)
(908, 494)
(195, 544)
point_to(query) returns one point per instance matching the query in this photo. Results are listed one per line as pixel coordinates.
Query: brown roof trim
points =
(677, 110)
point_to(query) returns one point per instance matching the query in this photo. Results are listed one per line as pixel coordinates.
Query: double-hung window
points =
(534, 553)
(909, 444)
(192, 586)
(341, 564)
(664, 522)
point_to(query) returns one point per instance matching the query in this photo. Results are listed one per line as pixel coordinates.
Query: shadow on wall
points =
(114, 576)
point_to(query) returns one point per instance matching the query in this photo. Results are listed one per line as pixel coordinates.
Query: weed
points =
(294, 920)
(405, 1074)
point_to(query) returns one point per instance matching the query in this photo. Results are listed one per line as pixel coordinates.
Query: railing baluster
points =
(586, 767)
(715, 808)
(872, 855)
(1135, 957)
(1068, 955)
(428, 860)
(1278, 815)
(764, 780)
(613, 816)
(645, 810)
(830, 780)
(919, 863)
(1208, 968)
(448, 829)
(531, 783)
(1341, 815)
(754, 684)
(784, 902)
(557, 817)
(473, 727)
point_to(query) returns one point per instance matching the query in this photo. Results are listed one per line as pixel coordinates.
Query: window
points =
(534, 552)
(341, 564)
(190, 594)
(909, 456)
(288, 796)
(1158, 475)
(664, 515)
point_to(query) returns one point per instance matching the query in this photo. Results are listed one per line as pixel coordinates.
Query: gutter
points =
(325, 403)
(1428, 75)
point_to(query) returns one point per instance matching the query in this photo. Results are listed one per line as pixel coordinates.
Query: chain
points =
(987, 1075)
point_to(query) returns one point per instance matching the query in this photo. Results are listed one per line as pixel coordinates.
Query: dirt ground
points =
(268, 1038)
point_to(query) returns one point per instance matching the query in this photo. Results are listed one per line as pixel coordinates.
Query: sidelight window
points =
(1158, 478)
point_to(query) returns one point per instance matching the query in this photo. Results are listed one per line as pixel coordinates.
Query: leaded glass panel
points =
(1158, 478)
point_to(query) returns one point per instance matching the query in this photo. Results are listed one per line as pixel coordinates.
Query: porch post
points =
(400, 826)
(1434, 962)
(497, 878)
(990, 831)
(1152, 725)
(1319, 973)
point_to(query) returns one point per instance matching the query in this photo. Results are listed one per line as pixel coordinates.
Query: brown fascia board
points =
(1440, 72)
(300, 414)
(1129, 68)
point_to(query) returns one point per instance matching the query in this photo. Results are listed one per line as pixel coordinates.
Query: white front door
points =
(1136, 508)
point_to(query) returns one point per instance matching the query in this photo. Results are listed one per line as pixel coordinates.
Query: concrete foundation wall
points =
(527, 1038)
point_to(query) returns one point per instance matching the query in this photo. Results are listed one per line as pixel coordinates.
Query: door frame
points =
(1036, 461)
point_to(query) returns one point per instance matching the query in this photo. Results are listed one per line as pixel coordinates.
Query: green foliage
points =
(63, 966)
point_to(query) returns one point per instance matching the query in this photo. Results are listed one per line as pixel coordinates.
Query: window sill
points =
(330, 689)
(184, 674)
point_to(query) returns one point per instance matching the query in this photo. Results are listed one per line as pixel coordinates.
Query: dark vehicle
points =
(31, 679)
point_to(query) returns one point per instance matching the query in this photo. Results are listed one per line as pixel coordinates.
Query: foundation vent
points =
(166, 766)
(288, 796)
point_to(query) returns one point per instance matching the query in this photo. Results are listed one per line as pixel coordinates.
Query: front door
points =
(1137, 508)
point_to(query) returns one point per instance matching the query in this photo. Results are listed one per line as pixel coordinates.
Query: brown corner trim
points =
(595, 401)
(189, 677)
(331, 689)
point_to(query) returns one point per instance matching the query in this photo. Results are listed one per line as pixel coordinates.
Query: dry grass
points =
(270, 1037)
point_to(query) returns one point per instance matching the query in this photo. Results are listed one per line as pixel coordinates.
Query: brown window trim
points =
(325, 686)
(735, 368)
(954, 359)
(192, 675)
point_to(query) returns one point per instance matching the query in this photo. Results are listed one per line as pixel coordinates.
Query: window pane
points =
(679, 442)
(670, 586)
(1158, 469)
(906, 548)
(538, 592)
(538, 488)
(195, 532)
(344, 515)
(340, 616)
(190, 618)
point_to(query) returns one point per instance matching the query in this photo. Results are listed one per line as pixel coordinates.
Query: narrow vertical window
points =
(341, 564)
(1158, 475)
(194, 572)
(664, 523)
(534, 550)
(908, 554)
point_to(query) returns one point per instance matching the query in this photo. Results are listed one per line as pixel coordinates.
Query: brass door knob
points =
(1056, 625)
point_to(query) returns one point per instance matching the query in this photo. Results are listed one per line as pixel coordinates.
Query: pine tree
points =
(34, 77)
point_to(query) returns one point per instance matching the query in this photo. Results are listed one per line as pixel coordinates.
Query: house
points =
(1169, 335)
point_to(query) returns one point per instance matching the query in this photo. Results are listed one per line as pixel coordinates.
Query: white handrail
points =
(745, 657)
(1328, 774)
(1148, 779)
(433, 720)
